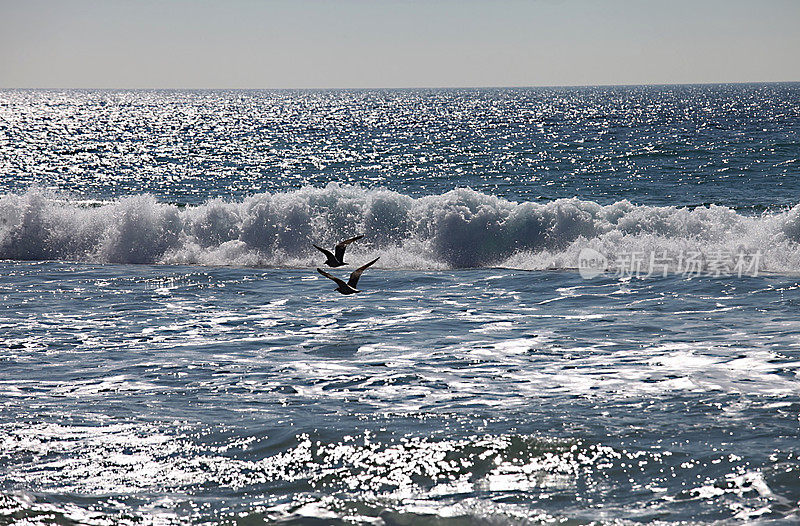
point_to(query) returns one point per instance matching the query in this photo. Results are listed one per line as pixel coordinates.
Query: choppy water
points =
(174, 357)
(730, 145)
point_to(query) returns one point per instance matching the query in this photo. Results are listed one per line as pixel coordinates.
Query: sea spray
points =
(458, 229)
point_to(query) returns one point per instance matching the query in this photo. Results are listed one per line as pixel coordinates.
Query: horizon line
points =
(399, 88)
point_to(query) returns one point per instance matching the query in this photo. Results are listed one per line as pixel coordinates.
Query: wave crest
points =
(461, 228)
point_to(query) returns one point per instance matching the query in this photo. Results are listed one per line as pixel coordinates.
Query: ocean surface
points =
(586, 308)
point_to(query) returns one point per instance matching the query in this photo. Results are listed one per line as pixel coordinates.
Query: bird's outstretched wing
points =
(334, 278)
(326, 252)
(339, 249)
(353, 281)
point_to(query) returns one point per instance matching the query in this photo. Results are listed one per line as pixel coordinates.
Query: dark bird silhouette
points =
(336, 259)
(350, 286)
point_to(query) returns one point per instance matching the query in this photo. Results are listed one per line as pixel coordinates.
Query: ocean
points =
(585, 309)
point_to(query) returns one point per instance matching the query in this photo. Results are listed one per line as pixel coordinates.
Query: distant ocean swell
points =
(459, 229)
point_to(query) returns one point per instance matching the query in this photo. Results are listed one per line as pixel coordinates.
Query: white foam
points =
(461, 228)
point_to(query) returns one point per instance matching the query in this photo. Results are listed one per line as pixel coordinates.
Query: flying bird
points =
(336, 259)
(350, 286)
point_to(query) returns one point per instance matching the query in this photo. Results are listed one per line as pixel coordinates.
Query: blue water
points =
(171, 356)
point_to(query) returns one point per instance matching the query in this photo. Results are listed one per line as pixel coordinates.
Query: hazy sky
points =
(394, 43)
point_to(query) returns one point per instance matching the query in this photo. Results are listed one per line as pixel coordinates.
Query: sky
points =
(394, 43)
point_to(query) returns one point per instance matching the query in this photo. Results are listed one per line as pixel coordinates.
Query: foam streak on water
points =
(166, 393)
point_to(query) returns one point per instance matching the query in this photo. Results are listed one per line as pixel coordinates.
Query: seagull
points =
(337, 258)
(350, 286)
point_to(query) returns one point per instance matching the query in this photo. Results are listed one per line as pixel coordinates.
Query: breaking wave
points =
(459, 229)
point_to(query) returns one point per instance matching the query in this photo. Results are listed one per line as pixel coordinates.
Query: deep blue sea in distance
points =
(585, 311)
